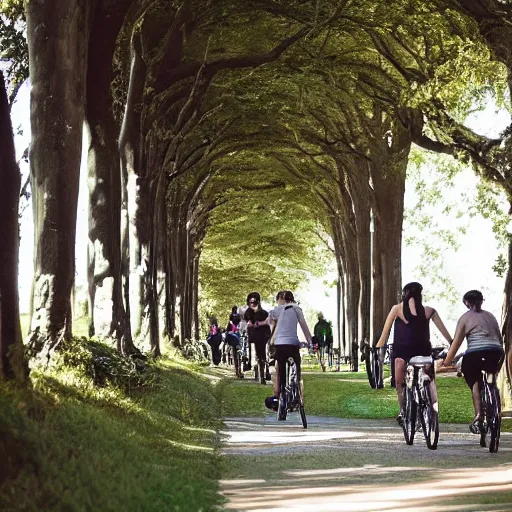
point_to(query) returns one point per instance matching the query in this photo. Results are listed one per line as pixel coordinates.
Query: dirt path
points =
(359, 465)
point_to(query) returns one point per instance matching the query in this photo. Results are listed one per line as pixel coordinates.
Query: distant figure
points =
(214, 339)
(323, 339)
(258, 330)
(233, 338)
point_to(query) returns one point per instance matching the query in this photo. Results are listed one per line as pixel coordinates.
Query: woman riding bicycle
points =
(485, 347)
(258, 331)
(411, 336)
(287, 315)
(233, 338)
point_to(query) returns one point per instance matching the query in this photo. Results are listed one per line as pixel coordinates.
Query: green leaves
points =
(13, 44)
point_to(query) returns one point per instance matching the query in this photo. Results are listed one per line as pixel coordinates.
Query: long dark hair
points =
(413, 291)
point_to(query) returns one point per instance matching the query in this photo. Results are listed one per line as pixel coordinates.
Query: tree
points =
(12, 360)
(58, 38)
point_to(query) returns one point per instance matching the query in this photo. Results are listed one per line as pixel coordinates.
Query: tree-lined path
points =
(234, 146)
(359, 465)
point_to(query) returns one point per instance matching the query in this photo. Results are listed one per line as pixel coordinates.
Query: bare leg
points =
(399, 376)
(276, 380)
(476, 399)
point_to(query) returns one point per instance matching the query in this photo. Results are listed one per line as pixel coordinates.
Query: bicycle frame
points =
(290, 397)
(418, 398)
(490, 407)
(490, 411)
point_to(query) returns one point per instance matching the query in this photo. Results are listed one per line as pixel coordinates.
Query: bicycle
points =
(235, 353)
(417, 397)
(291, 397)
(490, 415)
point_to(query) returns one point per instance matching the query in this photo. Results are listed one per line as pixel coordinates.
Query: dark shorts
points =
(405, 352)
(474, 362)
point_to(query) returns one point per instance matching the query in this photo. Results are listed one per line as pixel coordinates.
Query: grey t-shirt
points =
(481, 329)
(287, 316)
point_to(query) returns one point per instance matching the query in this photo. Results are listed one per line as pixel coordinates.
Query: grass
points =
(69, 445)
(347, 395)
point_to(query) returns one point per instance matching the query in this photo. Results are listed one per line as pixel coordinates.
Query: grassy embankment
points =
(96, 434)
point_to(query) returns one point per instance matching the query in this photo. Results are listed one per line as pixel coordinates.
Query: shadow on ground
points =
(359, 465)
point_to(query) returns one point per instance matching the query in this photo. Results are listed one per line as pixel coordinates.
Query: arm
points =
(460, 333)
(387, 327)
(441, 327)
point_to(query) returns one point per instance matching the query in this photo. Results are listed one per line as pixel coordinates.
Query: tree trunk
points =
(388, 174)
(12, 361)
(504, 378)
(348, 239)
(58, 33)
(338, 316)
(107, 315)
(378, 304)
(359, 188)
(130, 151)
(195, 300)
(170, 290)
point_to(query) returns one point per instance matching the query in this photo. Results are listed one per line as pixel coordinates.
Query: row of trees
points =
(190, 105)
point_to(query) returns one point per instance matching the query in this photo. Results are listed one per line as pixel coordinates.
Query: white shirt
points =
(288, 317)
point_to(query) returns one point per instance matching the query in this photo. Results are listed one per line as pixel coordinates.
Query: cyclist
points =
(233, 337)
(258, 331)
(411, 336)
(287, 315)
(323, 338)
(484, 351)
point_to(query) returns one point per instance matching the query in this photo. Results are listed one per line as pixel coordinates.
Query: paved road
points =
(359, 465)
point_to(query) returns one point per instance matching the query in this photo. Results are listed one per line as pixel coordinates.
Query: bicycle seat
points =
(421, 360)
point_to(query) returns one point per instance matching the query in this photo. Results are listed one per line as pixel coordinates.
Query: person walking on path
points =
(322, 339)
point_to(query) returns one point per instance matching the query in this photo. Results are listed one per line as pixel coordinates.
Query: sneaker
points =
(475, 427)
(400, 419)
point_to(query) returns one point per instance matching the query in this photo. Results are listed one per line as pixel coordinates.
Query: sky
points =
(469, 267)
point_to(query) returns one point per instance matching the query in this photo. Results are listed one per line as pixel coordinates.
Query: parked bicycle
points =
(490, 420)
(291, 398)
(419, 375)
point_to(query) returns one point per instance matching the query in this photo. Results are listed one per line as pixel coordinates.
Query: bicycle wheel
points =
(369, 368)
(485, 404)
(377, 370)
(429, 420)
(409, 419)
(494, 419)
(303, 416)
(301, 406)
(284, 397)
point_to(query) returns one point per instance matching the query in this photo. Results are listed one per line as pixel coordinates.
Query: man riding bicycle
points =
(485, 348)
